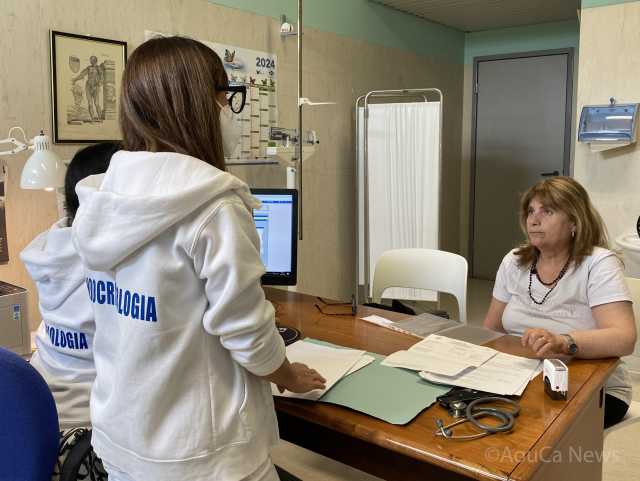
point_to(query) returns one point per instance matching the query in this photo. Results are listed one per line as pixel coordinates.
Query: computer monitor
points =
(277, 224)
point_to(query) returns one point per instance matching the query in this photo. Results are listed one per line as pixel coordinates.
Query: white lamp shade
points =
(44, 169)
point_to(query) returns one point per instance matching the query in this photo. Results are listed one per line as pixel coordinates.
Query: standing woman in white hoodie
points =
(64, 340)
(185, 342)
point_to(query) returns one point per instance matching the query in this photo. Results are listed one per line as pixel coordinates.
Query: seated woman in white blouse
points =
(563, 290)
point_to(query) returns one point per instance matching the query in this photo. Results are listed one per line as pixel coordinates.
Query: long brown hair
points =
(566, 195)
(168, 100)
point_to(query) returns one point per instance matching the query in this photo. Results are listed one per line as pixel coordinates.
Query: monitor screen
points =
(277, 224)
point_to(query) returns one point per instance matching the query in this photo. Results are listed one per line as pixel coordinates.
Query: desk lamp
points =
(44, 169)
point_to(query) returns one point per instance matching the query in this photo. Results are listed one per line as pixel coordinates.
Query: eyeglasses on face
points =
(236, 96)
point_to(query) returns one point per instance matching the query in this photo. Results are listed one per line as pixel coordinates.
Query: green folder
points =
(392, 394)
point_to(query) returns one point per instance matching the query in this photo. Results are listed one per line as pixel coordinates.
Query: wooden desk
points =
(552, 439)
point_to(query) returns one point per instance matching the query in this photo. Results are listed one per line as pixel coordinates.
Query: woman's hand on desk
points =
(303, 379)
(615, 335)
(545, 344)
(296, 377)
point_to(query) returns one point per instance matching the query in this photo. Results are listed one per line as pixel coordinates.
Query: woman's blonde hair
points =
(566, 195)
(169, 99)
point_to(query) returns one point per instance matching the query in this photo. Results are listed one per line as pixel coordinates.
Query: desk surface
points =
(516, 455)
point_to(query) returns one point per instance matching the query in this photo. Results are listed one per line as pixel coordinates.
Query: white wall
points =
(609, 66)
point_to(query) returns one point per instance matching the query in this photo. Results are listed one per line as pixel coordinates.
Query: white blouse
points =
(598, 280)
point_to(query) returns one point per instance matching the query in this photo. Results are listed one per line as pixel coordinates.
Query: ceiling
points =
(476, 15)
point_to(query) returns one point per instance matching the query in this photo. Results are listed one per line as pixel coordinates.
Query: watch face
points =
(572, 347)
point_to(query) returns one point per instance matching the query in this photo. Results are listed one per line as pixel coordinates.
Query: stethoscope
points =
(471, 412)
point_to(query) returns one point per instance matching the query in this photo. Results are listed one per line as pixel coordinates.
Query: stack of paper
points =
(457, 363)
(503, 374)
(332, 363)
(425, 324)
(441, 355)
(373, 389)
(420, 326)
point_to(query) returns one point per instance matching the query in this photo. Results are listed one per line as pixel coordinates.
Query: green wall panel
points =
(529, 38)
(602, 3)
(365, 20)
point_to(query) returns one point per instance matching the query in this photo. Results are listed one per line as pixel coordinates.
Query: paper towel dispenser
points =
(608, 126)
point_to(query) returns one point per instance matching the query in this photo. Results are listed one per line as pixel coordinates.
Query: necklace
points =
(553, 283)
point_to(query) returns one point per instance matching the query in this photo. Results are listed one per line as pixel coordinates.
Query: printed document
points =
(441, 355)
(503, 374)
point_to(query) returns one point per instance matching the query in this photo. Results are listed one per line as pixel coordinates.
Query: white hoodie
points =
(182, 326)
(64, 339)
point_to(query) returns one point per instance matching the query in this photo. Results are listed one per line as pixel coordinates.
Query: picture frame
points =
(86, 73)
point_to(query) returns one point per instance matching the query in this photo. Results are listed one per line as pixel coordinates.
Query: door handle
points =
(550, 174)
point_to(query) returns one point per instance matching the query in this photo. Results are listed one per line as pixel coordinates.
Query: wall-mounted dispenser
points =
(606, 127)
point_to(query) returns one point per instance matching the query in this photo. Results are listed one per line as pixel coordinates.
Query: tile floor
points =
(621, 457)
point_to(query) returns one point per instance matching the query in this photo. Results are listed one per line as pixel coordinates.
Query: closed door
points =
(522, 134)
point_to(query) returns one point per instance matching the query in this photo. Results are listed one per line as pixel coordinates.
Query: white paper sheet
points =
(537, 371)
(364, 361)
(384, 322)
(503, 374)
(331, 363)
(379, 320)
(441, 355)
(525, 383)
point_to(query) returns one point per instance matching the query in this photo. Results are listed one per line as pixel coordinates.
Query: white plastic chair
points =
(428, 269)
(633, 414)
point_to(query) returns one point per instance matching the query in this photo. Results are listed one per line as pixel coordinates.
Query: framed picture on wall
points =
(85, 83)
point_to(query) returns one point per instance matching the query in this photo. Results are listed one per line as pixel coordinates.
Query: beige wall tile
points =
(609, 66)
(335, 68)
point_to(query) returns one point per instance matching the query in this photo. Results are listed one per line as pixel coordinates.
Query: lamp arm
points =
(18, 146)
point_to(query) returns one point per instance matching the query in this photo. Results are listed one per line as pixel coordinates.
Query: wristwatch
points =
(572, 347)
